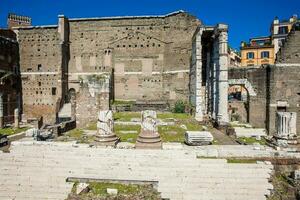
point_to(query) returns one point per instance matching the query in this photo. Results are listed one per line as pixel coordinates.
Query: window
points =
(40, 84)
(39, 67)
(265, 54)
(54, 91)
(250, 55)
(283, 30)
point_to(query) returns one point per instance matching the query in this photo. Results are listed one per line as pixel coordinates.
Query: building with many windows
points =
(263, 50)
(280, 30)
(258, 51)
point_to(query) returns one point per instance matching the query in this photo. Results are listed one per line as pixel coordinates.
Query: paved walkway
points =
(38, 170)
(222, 138)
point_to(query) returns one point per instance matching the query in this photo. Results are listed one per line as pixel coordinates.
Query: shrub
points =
(179, 107)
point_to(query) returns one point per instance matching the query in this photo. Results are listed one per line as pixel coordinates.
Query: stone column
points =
(1, 111)
(198, 71)
(208, 85)
(105, 135)
(8, 108)
(286, 124)
(222, 75)
(149, 136)
(214, 89)
(16, 117)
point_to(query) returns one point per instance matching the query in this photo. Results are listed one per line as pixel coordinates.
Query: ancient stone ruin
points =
(105, 126)
(149, 136)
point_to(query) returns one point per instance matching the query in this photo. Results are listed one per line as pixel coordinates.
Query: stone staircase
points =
(38, 170)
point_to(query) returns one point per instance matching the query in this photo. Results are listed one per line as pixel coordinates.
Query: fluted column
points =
(214, 86)
(222, 75)
(199, 94)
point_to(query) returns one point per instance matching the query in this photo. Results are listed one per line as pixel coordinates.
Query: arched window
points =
(250, 55)
(265, 54)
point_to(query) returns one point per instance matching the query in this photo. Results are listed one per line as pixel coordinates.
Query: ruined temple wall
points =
(10, 79)
(290, 52)
(257, 77)
(277, 90)
(284, 93)
(149, 55)
(40, 65)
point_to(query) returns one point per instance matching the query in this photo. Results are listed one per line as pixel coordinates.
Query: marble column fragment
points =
(149, 136)
(105, 134)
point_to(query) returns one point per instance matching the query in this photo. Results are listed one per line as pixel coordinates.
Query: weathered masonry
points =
(10, 88)
(144, 58)
(209, 74)
(272, 92)
(43, 65)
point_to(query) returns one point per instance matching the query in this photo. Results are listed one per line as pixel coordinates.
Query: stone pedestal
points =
(149, 137)
(105, 135)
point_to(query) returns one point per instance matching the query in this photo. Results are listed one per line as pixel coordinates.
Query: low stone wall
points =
(66, 126)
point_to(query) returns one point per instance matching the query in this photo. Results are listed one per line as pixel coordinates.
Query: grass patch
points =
(12, 131)
(127, 137)
(125, 191)
(282, 188)
(122, 102)
(78, 135)
(178, 116)
(208, 157)
(193, 125)
(100, 188)
(75, 133)
(126, 116)
(172, 133)
(245, 161)
(251, 140)
(91, 126)
(215, 142)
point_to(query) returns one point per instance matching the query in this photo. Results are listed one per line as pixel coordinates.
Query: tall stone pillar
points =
(1, 111)
(198, 71)
(222, 75)
(208, 84)
(16, 117)
(214, 86)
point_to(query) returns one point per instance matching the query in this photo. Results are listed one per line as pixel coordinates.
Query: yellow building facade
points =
(257, 55)
(263, 50)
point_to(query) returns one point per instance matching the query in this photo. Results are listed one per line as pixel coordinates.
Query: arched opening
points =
(238, 100)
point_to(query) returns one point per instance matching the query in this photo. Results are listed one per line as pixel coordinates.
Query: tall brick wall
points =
(41, 61)
(149, 55)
